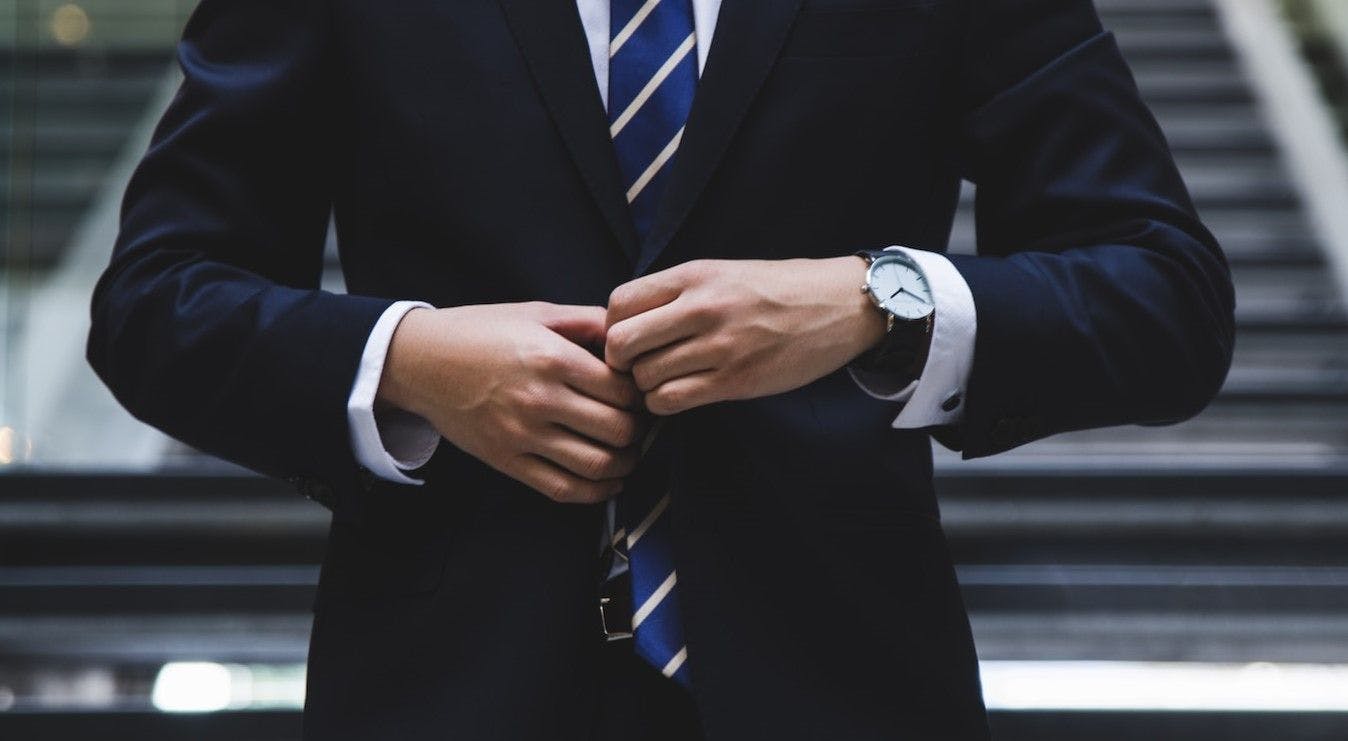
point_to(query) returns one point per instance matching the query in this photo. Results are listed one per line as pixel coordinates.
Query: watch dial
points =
(901, 289)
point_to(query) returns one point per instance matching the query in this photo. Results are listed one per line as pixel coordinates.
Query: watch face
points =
(898, 287)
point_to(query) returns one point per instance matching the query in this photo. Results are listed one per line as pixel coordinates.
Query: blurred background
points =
(1187, 582)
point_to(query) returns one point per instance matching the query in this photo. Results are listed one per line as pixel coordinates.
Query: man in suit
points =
(607, 366)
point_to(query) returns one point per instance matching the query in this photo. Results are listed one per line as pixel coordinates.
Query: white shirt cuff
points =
(396, 440)
(937, 397)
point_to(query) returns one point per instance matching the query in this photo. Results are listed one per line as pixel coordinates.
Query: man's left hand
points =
(716, 330)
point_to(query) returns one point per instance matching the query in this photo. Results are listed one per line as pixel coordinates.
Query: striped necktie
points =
(645, 536)
(652, 77)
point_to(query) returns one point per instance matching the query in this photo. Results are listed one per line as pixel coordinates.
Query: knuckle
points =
(552, 361)
(598, 464)
(720, 303)
(617, 341)
(660, 402)
(679, 398)
(559, 488)
(624, 430)
(532, 399)
(511, 432)
(673, 399)
(721, 345)
(621, 296)
(644, 375)
(704, 310)
(695, 269)
(538, 310)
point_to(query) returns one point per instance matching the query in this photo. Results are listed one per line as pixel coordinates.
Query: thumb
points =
(583, 325)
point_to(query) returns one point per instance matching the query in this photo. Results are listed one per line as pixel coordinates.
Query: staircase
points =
(1222, 539)
(70, 107)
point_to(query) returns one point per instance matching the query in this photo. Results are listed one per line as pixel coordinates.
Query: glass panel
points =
(83, 85)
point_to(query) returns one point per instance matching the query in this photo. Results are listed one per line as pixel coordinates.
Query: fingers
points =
(582, 325)
(649, 291)
(682, 394)
(661, 326)
(590, 376)
(558, 484)
(686, 358)
(616, 428)
(584, 458)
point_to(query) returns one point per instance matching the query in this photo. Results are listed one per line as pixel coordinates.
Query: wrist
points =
(897, 290)
(404, 361)
(865, 324)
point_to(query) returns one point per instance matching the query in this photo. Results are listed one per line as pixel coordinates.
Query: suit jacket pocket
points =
(862, 28)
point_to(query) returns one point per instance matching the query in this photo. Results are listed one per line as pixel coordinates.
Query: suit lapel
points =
(748, 36)
(552, 40)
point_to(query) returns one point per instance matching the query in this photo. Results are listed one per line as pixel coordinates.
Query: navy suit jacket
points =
(464, 150)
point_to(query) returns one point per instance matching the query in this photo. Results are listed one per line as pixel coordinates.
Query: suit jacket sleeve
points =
(1101, 298)
(208, 322)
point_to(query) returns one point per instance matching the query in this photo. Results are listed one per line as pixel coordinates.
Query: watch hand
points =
(892, 295)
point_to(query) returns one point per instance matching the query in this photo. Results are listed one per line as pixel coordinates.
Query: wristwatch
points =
(899, 290)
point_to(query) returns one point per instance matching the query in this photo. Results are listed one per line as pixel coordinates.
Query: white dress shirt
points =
(393, 442)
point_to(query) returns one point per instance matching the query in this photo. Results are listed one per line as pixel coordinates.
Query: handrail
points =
(1298, 117)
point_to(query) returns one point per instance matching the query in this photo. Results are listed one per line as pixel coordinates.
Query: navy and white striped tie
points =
(652, 74)
(645, 537)
(652, 77)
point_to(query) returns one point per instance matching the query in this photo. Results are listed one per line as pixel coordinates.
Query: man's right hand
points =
(515, 386)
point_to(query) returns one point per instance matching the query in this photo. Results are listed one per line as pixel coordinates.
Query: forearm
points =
(1101, 298)
(387, 440)
(1090, 337)
(208, 322)
(232, 363)
(407, 360)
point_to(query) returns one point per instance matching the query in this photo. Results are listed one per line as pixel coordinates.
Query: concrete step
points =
(1182, 39)
(1160, 10)
(1196, 82)
(1233, 434)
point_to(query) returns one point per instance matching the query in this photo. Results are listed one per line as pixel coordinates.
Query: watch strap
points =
(902, 352)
